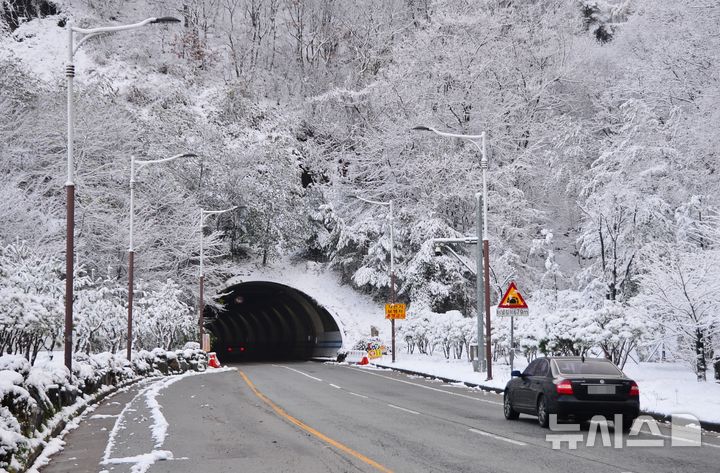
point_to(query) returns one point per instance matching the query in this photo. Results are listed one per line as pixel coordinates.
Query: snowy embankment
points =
(665, 388)
(38, 401)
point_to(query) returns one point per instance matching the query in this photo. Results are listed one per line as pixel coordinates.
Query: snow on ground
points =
(665, 388)
(142, 462)
(671, 388)
(40, 46)
(354, 312)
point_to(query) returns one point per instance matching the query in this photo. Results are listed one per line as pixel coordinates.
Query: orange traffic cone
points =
(213, 361)
(364, 361)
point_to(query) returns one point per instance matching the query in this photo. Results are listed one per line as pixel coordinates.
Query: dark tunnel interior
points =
(269, 321)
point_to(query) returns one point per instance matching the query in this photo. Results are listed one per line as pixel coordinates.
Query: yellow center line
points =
(279, 411)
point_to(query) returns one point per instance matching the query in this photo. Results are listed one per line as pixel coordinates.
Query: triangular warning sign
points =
(512, 299)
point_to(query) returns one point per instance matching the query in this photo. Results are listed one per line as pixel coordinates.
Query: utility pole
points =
(479, 287)
(484, 270)
(486, 260)
(84, 34)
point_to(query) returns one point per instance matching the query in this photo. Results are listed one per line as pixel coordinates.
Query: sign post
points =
(512, 305)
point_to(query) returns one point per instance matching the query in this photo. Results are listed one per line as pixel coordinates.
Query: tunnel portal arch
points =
(262, 320)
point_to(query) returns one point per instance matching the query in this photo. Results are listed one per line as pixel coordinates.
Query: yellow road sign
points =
(394, 311)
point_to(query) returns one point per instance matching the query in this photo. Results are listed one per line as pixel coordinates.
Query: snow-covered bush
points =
(364, 343)
(31, 308)
(31, 300)
(163, 318)
(426, 330)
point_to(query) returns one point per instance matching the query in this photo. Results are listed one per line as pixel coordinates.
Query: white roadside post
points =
(131, 250)
(392, 262)
(201, 303)
(483, 271)
(86, 33)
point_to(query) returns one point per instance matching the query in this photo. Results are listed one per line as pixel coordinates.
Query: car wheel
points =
(627, 423)
(542, 412)
(510, 413)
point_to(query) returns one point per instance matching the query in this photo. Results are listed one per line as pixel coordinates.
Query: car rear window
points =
(587, 367)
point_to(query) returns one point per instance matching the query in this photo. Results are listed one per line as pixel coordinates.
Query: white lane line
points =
(299, 372)
(358, 395)
(335, 386)
(680, 439)
(497, 437)
(403, 409)
(429, 387)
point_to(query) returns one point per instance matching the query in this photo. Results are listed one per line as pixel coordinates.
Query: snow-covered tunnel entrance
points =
(266, 321)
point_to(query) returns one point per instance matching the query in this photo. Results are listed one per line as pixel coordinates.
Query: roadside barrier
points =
(355, 356)
(213, 361)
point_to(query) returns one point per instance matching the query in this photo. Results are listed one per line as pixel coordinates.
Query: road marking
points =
(403, 409)
(335, 386)
(279, 411)
(680, 439)
(429, 387)
(497, 437)
(298, 371)
(358, 395)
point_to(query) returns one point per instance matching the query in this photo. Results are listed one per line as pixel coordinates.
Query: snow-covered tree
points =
(682, 293)
(31, 300)
(163, 318)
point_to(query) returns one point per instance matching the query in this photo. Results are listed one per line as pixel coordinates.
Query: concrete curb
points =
(441, 378)
(705, 425)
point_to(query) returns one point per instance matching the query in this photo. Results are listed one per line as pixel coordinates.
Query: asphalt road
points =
(315, 417)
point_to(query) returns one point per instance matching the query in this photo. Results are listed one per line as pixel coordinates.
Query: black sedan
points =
(572, 388)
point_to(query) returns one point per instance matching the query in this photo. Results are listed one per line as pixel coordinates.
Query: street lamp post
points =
(201, 318)
(392, 262)
(131, 250)
(483, 270)
(477, 271)
(70, 184)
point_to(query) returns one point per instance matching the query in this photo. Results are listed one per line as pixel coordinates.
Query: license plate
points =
(601, 389)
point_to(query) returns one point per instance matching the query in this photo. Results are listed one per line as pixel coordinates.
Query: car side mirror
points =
(516, 374)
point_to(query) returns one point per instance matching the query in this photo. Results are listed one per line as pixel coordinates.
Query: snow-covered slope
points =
(355, 313)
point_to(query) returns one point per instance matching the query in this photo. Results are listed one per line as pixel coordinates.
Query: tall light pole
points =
(137, 165)
(477, 271)
(392, 262)
(86, 34)
(483, 290)
(201, 317)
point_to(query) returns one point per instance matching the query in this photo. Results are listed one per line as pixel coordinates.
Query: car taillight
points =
(564, 387)
(229, 348)
(634, 389)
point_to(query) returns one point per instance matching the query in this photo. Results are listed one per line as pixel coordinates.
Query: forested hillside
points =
(601, 118)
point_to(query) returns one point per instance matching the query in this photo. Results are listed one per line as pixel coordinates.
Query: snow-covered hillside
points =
(600, 119)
